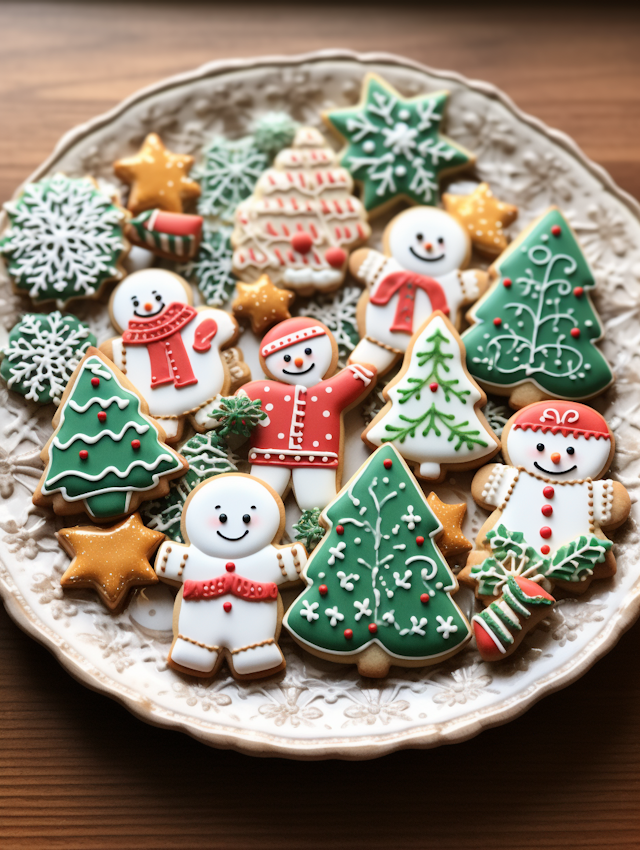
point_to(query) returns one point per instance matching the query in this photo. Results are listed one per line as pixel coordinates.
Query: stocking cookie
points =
(551, 508)
(230, 569)
(300, 441)
(432, 415)
(423, 268)
(170, 350)
(533, 333)
(105, 455)
(378, 589)
(173, 236)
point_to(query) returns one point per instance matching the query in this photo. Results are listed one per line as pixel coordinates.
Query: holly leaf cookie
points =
(395, 149)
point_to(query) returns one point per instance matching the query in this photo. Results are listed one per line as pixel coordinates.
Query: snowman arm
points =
(611, 503)
(473, 283)
(291, 561)
(373, 266)
(171, 561)
(492, 485)
(227, 327)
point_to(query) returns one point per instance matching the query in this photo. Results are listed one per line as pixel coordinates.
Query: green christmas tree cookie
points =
(105, 455)
(534, 331)
(379, 590)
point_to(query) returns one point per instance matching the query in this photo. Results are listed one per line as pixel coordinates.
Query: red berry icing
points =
(545, 549)
(497, 321)
(95, 382)
(420, 540)
(578, 291)
(83, 454)
(548, 492)
(102, 416)
(545, 532)
(433, 386)
(348, 633)
(373, 628)
(230, 566)
(575, 332)
(507, 282)
(336, 257)
(339, 529)
(424, 598)
(301, 242)
(556, 230)
(547, 510)
(135, 444)
(227, 607)
(323, 590)
(388, 463)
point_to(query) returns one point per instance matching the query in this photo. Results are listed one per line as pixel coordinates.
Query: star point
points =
(484, 216)
(110, 560)
(262, 303)
(451, 540)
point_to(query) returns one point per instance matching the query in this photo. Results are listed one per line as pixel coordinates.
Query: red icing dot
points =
(388, 463)
(230, 566)
(433, 386)
(548, 492)
(545, 532)
(301, 242)
(424, 598)
(323, 590)
(336, 257)
(135, 444)
(102, 416)
(227, 607)
(348, 633)
(83, 454)
(547, 510)
(556, 230)
(497, 321)
(578, 291)
(373, 628)
(339, 529)
(420, 540)
(507, 282)
(575, 332)
(545, 549)
(95, 382)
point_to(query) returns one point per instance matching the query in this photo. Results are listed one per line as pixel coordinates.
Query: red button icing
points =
(95, 382)
(135, 444)
(336, 257)
(323, 590)
(301, 242)
(545, 549)
(102, 416)
(433, 387)
(339, 529)
(547, 510)
(420, 540)
(348, 633)
(545, 532)
(388, 463)
(230, 567)
(548, 492)
(373, 628)
(424, 598)
(227, 607)
(83, 454)
(556, 230)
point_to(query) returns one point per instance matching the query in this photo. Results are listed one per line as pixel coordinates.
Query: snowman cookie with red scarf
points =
(422, 269)
(170, 350)
(551, 507)
(300, 442)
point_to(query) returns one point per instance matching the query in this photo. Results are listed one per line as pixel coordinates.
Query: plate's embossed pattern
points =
(317, 709)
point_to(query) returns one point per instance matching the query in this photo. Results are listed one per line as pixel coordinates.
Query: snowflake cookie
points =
(211, 268)
(42, 353)
(65, 239)
(338, 311)
(228, 174)
(394, 146)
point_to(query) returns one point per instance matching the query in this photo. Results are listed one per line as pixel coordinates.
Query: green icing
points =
(375, 572)
(548, 297)
(308, 529)
(228, 173)
(114, 468)
(211, 268)
(394, 146)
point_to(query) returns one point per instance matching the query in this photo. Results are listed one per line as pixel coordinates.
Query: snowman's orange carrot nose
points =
(556, 457)
(148, 306)
(299, 362)
(428, 246)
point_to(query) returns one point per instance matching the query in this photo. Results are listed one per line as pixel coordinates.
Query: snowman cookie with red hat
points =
(551, 507)
(423, 268)
(170, 350)
(299, 443)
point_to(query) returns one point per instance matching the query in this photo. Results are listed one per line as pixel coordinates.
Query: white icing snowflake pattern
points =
(446, 627)
(338, 312)
(334, 615)
(308, 611)
(411, 519)
(211, 268)
(228, 174)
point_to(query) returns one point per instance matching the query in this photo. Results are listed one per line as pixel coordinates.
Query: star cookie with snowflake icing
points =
(394, 146)
(65, 240)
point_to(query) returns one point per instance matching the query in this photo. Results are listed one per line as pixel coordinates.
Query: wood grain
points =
(77, 770)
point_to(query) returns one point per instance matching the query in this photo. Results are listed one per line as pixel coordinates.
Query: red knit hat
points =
(564, 416)
(289, 332)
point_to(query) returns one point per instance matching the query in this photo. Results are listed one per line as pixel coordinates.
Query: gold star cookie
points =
(452, 541)
(159, 179)
(110, 560)
(484, 216)
(262, 303)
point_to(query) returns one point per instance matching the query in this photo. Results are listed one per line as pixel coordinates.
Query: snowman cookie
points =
(230, 569)
(170, 350)
(551, 508)
(422, 269)
(300, 440)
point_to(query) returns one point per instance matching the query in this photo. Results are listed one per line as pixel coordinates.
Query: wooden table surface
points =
(77, 770)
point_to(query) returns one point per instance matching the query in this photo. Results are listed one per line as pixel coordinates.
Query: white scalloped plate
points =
(316, 709)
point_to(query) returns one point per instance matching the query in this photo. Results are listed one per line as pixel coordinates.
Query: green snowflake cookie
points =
(65, 240)
(211, 267)
(228, 173)
(274, 131)
(42, 353)
(394, 146)
(338, 311)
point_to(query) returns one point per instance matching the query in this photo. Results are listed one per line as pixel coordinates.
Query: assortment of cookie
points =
(273, 230)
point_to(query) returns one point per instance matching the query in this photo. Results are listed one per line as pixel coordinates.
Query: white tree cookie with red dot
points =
(302, 220)
(423, 268)
(230, 569)
(170, 350)
(551, 507)
(300, 442)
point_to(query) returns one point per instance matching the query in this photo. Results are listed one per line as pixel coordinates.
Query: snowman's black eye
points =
(287, 358)
(440, 240)
(419, 237)
(540, 447)
(307, 351)
(222, 517)
(136, 303)
(571, 450)
(246, 518)
(253, 507)
(158, 297)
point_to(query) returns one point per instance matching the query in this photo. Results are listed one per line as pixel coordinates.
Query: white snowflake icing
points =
(363, 609)
(65, 239)
(228, 174)
(446, 627)
(42, 352)
(347, 581)
(308, 611)
(334, 615)
(336, 552)
(410, 518)
(211, 269)
(338, 312)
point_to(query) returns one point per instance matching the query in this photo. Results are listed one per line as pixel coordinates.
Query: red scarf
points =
(405, 283)
(243, 588)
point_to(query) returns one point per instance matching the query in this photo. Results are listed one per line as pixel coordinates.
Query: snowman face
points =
(557, 457)
(145, 294)
(429, 241)
(232, 516)
(305, 362)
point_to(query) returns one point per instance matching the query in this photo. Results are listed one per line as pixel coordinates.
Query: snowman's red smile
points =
(553, 471)
(233, 539)
(427, 259)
